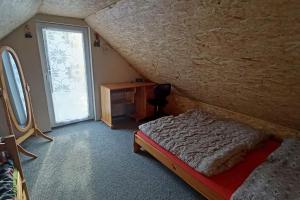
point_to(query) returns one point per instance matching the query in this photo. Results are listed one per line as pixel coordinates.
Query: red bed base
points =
(226, 183)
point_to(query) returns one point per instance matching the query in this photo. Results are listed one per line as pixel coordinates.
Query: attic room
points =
(149, 99)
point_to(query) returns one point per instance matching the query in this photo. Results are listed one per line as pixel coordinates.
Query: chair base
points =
(159, 112)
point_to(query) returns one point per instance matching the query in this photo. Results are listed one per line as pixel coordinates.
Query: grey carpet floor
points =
(88, 160)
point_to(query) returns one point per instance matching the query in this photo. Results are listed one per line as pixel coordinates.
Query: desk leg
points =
(106, 115)
(142, 108)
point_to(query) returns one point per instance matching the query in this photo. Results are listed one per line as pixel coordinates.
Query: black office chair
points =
(161, 91)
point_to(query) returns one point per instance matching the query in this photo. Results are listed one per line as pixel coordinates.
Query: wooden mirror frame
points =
(24, 87)
(30, 127)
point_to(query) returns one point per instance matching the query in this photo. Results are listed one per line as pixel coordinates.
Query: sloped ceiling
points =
(13, 13)
(240, 55)
(74, 8)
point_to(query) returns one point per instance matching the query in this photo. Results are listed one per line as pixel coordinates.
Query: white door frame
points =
(47, 76)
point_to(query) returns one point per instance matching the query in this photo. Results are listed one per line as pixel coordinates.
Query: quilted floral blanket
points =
(208, 144)
(7, 186)
(277, 178)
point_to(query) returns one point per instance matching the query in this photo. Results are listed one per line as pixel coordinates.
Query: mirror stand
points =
(17, 104)
(32, 131)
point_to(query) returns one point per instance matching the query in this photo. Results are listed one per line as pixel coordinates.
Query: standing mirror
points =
(14, 92)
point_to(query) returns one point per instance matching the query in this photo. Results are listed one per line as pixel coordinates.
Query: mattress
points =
(226, 182)
(205, 142)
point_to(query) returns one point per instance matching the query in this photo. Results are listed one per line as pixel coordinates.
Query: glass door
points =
(67, 72)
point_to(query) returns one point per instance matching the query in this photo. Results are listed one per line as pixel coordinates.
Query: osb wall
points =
(239, 55)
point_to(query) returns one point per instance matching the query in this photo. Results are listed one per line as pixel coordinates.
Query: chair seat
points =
(158, 102)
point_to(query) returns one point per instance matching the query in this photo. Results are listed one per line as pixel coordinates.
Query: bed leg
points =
(136, 147)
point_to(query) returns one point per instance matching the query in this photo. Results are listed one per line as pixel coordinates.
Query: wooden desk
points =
(135, 94)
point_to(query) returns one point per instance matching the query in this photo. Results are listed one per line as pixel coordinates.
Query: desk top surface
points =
(117, 86)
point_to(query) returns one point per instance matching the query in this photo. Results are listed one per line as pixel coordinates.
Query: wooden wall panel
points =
(179, 104)
(240, 55)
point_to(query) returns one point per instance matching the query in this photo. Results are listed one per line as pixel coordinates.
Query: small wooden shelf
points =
(121, 101)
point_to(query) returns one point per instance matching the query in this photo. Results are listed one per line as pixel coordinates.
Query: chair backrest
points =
(161, 91)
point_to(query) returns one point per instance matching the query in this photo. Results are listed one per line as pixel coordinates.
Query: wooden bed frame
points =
(9, 145)
(139, 143)
(179, 102)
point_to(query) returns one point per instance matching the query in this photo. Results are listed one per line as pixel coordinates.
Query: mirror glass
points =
(14, 87)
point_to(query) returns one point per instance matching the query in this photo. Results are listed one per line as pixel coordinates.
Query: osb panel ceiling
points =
(15, 12)
(240, 55)
(74, 8)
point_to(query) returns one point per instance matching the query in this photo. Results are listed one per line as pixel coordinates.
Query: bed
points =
(13, 185)
(277, 177)
(218, 187)
(222, 185)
